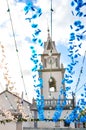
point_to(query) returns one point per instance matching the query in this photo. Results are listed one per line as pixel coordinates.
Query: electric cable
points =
(51, 20)
(81, 71)
(16, 49)
(81, 87)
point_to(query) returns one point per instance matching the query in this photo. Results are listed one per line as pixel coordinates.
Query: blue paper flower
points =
(34, 25)
(37, 32)
(72, 3)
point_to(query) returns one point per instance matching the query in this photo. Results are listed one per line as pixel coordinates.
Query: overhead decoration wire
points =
(22, 76)
(82, 86)
(81, 72)
(38, 82)
(5, 77)
(3, 66)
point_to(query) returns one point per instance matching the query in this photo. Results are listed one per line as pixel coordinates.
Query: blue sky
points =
(62, 19)
(65, 59)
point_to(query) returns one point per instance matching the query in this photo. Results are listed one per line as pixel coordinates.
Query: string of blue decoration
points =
(38, 83)
(78, 35)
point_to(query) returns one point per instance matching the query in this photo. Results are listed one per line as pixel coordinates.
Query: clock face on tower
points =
(50, 60)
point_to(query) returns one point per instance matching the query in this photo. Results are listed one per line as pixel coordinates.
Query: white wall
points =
(28, 124)
(8, 126)
(46, 124)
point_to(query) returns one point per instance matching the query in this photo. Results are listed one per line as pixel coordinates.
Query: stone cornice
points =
(53, 70)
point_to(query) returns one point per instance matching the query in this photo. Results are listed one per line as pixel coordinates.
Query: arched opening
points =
(52, 84)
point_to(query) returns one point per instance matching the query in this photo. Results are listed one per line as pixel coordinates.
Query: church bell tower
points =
(53, 70)
(52, 75)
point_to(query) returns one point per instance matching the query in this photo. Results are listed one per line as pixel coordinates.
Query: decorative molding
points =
(53, 70)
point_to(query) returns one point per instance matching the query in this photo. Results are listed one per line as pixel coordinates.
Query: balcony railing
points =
(52, 103)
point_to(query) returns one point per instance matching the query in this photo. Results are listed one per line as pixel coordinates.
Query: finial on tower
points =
(48, 33)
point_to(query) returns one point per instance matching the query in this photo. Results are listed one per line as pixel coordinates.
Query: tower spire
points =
(50, 30)
(51, 18)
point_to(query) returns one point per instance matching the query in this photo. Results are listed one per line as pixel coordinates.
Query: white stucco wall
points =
(28, 124)
(8, 126)
(46, 124)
